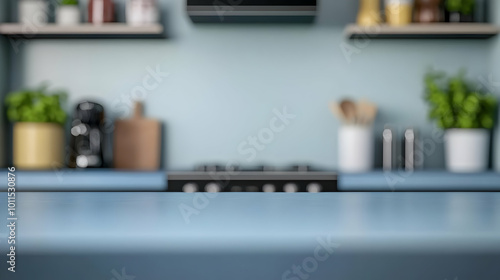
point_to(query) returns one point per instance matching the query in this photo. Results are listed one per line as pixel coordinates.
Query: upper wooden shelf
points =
(424, 31)
(85, 30)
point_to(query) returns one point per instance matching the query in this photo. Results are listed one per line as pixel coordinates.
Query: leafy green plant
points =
(36, 106)
(465, 7)
(454, 103)
(69, 2)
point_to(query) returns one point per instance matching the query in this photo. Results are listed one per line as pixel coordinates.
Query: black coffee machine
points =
(87, 136)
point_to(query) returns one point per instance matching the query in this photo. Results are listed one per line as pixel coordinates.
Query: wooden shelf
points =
(87, 30)
(424, 31)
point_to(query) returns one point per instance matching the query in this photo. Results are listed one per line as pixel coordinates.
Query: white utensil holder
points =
(355, 148)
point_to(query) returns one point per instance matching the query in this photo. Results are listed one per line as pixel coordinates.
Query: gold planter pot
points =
(38, 145)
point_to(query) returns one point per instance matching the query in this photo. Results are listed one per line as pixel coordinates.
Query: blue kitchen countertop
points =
(418, 181)
(86, 180)
(115, 180)
(255, 235)
(206, 221)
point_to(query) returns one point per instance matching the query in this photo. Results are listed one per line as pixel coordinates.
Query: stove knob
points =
(236, 189)
(212, 188)
(268, 188)
(290, 188)
(314, 188)
(190, 188)
(252, 189)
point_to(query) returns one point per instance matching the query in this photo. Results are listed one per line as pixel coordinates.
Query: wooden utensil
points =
(366, 112)
(137, 142)
(337, 111)
(360, 113)
(349, 110)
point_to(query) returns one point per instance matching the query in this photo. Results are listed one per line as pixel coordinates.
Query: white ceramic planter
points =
(68, 15)
(466, 150)
(33, 12)
(355, 149)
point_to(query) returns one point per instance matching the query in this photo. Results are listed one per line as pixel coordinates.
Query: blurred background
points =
(337, 101)
(222, 82)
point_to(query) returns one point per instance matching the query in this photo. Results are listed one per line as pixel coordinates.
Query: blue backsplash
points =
(218, 86)
(3, 86)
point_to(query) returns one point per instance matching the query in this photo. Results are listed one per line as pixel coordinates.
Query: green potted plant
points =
(68, 12)
(467, 115)
(460, 10)
(38, 128)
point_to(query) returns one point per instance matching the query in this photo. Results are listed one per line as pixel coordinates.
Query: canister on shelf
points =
(142, 12)
(355, 148)
(413, 152)
(427, 11)
(101, 11)
(398, 12)
(369, 13)
(388, 149)
(33, 12)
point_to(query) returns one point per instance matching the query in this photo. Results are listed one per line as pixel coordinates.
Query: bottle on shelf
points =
(427, 11)
(101, 11)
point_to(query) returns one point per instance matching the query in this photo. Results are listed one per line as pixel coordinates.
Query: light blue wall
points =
(3, 81)
(226, 80)
(495, 78)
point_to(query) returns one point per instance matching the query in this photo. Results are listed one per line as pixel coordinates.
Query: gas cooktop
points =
(258, 168)
(262, 178)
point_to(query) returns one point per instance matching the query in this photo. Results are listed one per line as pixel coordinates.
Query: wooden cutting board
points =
(137, 142)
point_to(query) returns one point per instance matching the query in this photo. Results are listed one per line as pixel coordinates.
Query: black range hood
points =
(251, 11)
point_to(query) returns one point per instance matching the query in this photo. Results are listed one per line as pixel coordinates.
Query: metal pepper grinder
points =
(412, 150)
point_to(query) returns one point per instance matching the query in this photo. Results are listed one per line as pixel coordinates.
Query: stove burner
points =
(301, 168)
(258, 168)
(261, 168)
(216, 168)
(269, 188)
(214, 178)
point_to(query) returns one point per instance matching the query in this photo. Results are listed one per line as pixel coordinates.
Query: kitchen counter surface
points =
(401, 181)
(227, 233)
(205, 221)
(91, 180)
(109, 180)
